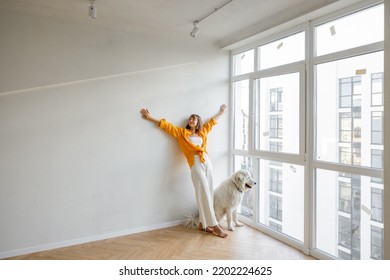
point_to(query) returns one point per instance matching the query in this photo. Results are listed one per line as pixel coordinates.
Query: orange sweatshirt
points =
(181, 134)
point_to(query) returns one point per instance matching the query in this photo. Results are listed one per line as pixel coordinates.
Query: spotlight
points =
(92, 10)
(195, 30)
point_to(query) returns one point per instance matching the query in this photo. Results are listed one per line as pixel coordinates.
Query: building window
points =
(345, 127)
(276, 103)
(377, 205)
(275, 146)
(276, 126)
(345, 196)
(377, 158)
(350, 154)
(377, 128)
(377, 89)
(345, 232)
(349, 226)
(377, 243)
(275, 180)
(350, 127)
(350, 93)
(349, 236)
(275, 207)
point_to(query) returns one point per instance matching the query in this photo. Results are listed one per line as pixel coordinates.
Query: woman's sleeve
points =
(209, 125)
(169, 128)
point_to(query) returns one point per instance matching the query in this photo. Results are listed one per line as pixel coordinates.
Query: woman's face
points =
(193, 121)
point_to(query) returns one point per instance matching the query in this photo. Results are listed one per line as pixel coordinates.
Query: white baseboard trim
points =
(78, 241)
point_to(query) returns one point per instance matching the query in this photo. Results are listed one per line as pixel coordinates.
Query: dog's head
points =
(243, 180)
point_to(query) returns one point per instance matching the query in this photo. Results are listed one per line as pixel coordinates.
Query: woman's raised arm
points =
(222, 110)
(147, 116)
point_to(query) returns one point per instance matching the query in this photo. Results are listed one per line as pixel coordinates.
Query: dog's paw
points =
(238, 224)
(231, 228)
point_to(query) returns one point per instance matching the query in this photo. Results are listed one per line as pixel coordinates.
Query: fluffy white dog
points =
(229, 194)
(227, 198)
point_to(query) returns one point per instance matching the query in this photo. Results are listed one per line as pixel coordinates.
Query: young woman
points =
(192, 142)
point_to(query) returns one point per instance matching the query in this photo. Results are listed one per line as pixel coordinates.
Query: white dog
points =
(227, 198)
(229, 194)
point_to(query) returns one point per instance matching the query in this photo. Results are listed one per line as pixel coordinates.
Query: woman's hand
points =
(222, 109)
(147, 116)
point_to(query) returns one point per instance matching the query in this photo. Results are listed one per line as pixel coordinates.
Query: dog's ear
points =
(239, 177)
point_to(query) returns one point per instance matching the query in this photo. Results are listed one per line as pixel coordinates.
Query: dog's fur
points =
(227, 198)
(229, 194)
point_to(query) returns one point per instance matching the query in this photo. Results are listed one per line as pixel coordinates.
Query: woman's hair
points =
(199, 124)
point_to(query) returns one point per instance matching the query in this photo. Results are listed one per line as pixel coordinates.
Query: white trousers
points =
(202, 178)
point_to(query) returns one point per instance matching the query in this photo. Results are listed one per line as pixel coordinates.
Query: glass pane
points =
(340, 34)
(247, 203)
(243, 62)
(286, 50)
(281, 197)
(341, 123)
(277, 113)
(344, 208)
(241, 114)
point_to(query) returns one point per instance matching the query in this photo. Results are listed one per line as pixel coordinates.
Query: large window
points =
(308, 124)
(348, 133)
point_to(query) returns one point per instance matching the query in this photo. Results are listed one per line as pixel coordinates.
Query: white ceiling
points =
(173, 18)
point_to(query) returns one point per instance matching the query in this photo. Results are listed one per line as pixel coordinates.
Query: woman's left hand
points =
(222, 109)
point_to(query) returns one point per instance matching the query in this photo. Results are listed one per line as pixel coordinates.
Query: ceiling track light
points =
(92, 10)
(195, 30)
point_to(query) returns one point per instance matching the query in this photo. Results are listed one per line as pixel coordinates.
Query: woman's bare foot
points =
(207, 229)
(219, 232)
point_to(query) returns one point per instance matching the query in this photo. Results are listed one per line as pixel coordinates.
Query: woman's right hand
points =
(146, 115)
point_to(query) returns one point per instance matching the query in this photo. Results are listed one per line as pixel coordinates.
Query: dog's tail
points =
(191, 222)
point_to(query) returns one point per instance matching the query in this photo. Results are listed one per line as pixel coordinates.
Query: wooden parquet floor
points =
(177, 243)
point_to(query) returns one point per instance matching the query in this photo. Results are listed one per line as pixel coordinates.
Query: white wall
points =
(77, 162)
